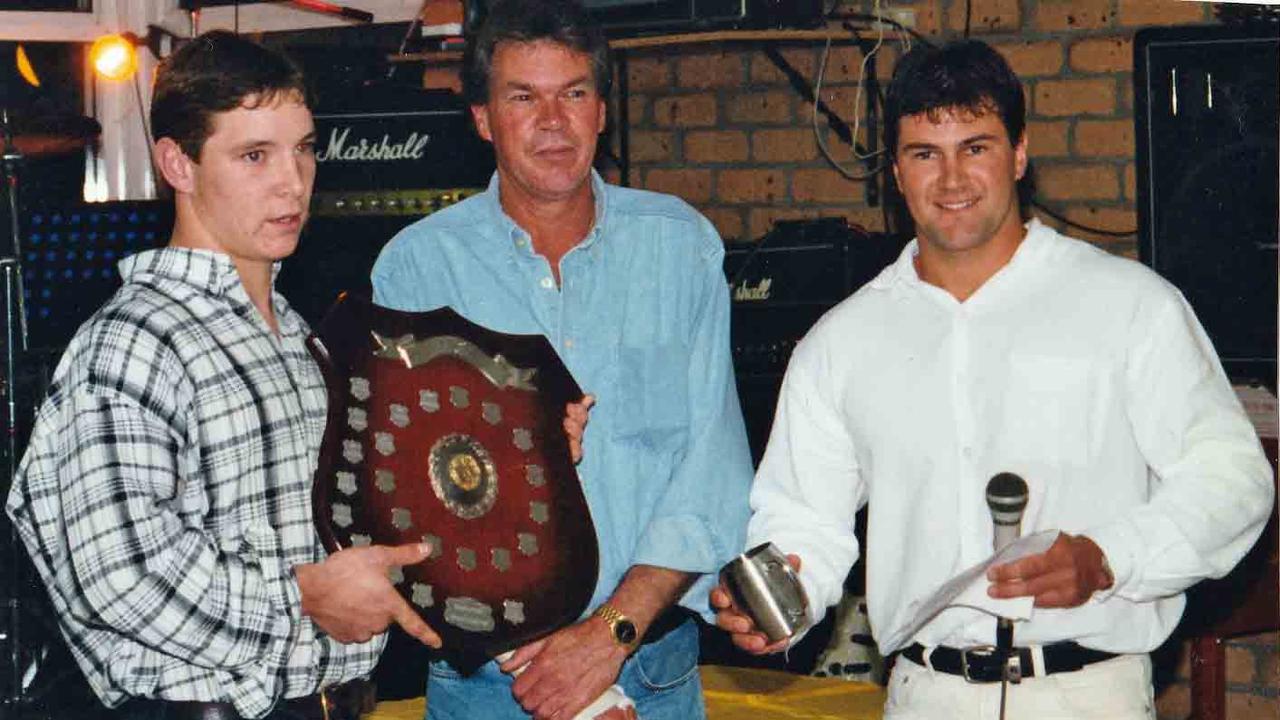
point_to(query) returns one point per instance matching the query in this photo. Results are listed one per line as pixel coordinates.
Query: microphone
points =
(1007, 499)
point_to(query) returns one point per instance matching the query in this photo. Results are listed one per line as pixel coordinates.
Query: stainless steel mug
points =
(764, 585)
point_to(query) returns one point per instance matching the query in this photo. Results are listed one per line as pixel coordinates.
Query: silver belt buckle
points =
(984, 651)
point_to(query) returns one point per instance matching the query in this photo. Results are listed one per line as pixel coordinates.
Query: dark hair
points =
(560, 21)
(967, 75)
(216, 72)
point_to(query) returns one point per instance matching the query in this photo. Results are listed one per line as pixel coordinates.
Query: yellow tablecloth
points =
(743, 694)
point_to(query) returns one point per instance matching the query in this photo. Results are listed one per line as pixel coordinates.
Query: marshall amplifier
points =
(781, 285)
(387, 154)
(387, 136)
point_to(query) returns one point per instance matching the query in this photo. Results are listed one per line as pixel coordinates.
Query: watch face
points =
(625, 631)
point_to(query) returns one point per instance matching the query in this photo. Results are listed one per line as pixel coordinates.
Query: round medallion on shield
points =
(463, 475)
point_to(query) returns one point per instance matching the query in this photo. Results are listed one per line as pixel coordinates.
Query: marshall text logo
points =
(338, 150)
(747, 292)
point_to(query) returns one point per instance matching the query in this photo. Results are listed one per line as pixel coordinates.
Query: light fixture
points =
(25, 68)
(114, 57)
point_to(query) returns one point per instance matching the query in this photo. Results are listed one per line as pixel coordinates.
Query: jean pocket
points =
(442, 670)
(671, 661)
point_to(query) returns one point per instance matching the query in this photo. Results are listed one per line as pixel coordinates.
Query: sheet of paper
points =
(969, 589)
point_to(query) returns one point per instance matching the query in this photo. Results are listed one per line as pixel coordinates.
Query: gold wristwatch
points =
(620, 626)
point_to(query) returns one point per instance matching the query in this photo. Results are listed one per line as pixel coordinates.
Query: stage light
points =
(26, 69)
(114, 57)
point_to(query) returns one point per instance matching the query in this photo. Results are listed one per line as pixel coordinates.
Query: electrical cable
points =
(865, 17)
(142, 116)
(881, 21)
(857, 117)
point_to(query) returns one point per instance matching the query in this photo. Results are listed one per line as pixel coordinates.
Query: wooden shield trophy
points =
(443, 432)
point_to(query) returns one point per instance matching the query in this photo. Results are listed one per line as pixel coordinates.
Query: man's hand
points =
(566, 671)
(743, 632)
(351, 597)
(1065, 575)
(575, 424)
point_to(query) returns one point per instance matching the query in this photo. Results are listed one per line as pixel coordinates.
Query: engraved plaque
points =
(384, 480)
(401, 519)
(491, 412)
(468, 614)
(352, 451)
(342, 515)
(501, 558)
(513, 611)
(429, 400)
(527, 543)
(534, 475)
(442, 432)
(437, 545)
(385, 443)
(466, 558)
(346, 483)
(357, 419)
(459, 397)
(522, 439)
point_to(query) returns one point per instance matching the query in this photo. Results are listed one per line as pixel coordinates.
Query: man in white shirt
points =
(997, 345)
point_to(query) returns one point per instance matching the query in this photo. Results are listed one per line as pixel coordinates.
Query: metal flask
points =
(764, 585)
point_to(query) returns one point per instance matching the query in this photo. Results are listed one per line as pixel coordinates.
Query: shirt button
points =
(568, 343)
(968, 452)
(548, 283)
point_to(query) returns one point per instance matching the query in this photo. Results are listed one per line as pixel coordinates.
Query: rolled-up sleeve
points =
(700, 521)
(809, 487)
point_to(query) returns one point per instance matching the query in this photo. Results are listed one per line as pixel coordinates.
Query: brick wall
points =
(720, 126)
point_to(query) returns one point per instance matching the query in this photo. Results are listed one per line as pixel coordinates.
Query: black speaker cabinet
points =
(1205, 110)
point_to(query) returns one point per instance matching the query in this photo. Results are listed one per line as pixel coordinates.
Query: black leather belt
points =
(340, 702)
(981, 665)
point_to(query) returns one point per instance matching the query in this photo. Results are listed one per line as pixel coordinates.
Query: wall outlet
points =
(906, 17)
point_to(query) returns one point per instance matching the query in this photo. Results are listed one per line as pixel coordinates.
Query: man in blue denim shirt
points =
(628, 287)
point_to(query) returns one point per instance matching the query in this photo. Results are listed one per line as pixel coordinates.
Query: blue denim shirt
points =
(641, 319)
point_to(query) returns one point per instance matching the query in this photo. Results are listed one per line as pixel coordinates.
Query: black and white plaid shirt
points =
(165, 493)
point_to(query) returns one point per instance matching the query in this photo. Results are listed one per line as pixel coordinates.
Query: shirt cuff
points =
(680, 542)
(1116, 540)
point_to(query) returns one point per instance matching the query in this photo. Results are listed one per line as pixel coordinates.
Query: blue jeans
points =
(661, 677)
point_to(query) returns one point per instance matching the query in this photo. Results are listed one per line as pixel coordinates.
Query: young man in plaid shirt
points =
(165, 493)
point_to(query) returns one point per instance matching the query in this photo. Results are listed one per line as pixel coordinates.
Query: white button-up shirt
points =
(1085, 373)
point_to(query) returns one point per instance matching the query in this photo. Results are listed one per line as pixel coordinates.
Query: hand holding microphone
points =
(1006, 499)
(1066, 575)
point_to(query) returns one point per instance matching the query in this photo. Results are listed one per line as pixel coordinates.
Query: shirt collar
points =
(206, 271)
(903, 270)
(493, 205)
